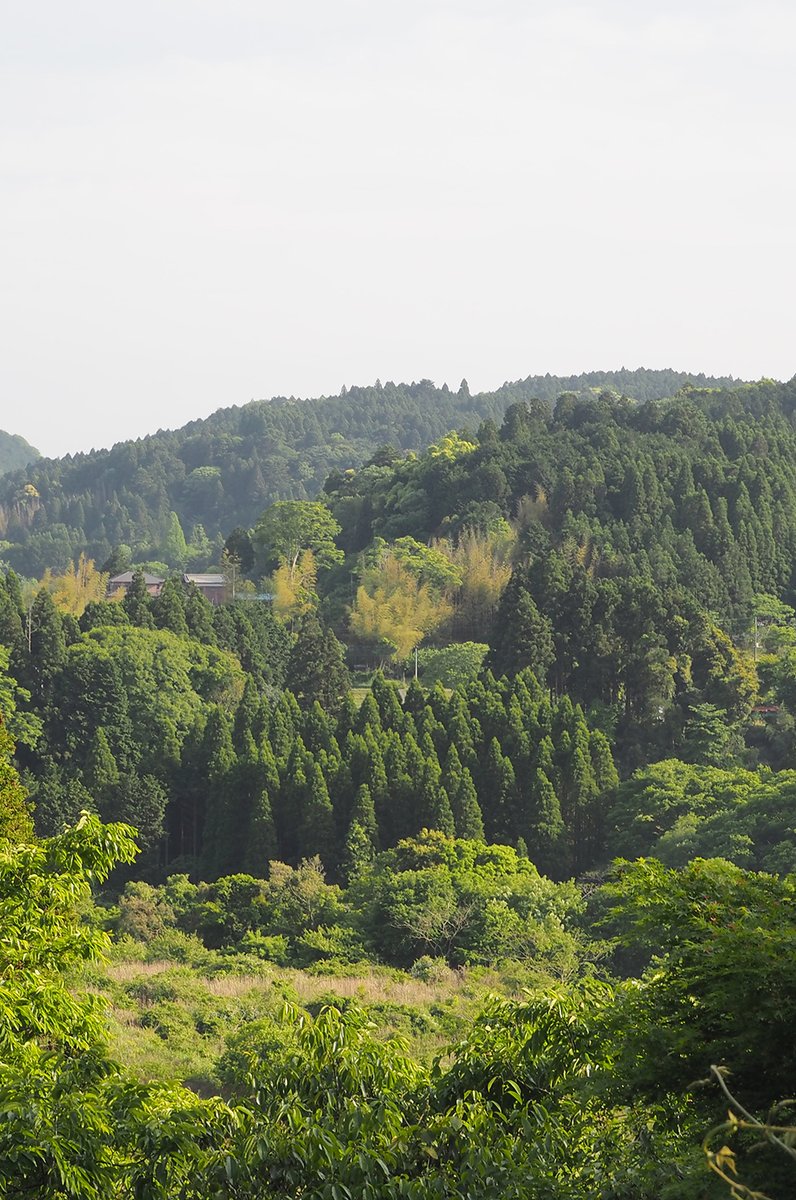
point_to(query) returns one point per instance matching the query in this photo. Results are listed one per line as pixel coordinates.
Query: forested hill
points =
(15, 452)
(223, 471)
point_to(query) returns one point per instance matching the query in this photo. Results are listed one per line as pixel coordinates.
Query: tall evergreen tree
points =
(175, 548)
(433, 805)
(545, 832)
(101, 775)
(168, 609)
(260, 846)
(361, 844)
(137, 603)
(222, 831)
(316, 667)
(47, 647)
(199, 617)
(245, 716)
(522, 637)
(316, 828)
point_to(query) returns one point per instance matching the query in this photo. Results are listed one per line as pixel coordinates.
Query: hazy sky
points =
(208, 201)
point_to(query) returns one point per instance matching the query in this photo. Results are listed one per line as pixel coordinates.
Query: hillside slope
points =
(15, 452)
(221, 472)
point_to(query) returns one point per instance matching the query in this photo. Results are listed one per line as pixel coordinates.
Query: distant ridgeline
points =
(222, 472)
(15, 452)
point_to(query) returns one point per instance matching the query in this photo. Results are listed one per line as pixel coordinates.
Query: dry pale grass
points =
(123, 972)
(125, 1016)
(372, 988)
(369, 987)
(366, 987)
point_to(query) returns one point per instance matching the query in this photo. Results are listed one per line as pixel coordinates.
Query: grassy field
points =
(173, 1020)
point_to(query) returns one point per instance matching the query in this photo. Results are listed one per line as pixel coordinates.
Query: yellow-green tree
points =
(484, 563)
(80, 583)
(394, 611)
(294, 587)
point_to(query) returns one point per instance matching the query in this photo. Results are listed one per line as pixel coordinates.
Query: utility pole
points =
(415, 662)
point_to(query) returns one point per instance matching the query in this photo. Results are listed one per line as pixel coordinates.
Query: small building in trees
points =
(123, 583)
(212, 587)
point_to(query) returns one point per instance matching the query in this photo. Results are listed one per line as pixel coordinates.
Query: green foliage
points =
(23, 726)
(166, 679)
(565, 1094)
(721, 985)
(16, 823)
(678, 812)
(467, 902)
(316, 667)
(452, 666)
(523, 636)
(291, 526)
(223, 471)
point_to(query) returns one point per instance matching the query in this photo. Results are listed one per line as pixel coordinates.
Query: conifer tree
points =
(317, 729)
(342, 792)
(546, 833)
(368, 716)
(355, 753)
(581, 814)
(357, 853)
(467, 816)
(522, 636)
(428, 727)
(101, 774)
(316, 829)
(59, 801)
(139, 801)
(222, 825)
(316, 667)
(47, 647)
(362, 840)
(281, 733)
(526, 688)
(376, 772)
(415, 699)
(261, 723)
(498, 787)
(199, 617)
(387, 698)
(289, 800)
(605, 772)
(12, 634)
(175, 548)
(433, 805)
(346, 718)
(245, 716)
(168, 609)
(137, 603)
(395, 818)
(460, 732)
(13, 587)
(260, 846)
(102, 612)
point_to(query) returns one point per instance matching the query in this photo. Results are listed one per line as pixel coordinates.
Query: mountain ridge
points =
(15, 452)
(221, 471)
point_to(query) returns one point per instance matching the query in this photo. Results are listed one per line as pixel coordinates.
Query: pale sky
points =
(204, 202)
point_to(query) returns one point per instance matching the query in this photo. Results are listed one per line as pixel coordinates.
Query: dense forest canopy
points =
(465, 849)
(221, 472)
